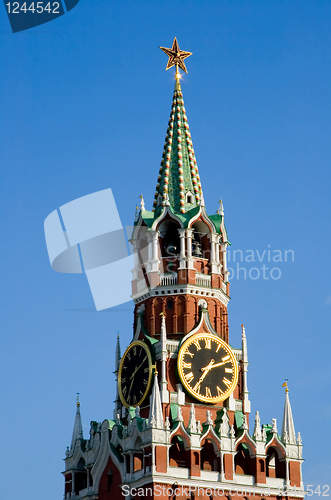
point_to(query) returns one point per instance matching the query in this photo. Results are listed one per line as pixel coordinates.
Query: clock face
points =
(207, 367)
(135, 374)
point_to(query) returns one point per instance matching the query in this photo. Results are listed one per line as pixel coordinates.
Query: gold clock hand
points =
(205, 370)
(136, 369)
(215, 366)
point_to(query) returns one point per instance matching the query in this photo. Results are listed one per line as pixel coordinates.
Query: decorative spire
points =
(257, 434)
(192, 424)
(220, 210)
(142, 203)
(77, 433)
(288, 431)
(274, 425)
(117, 354)
(178, 183)
(164, 391)
(155, 413)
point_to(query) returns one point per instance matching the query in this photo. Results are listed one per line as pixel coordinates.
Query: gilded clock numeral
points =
(141, 393)
(228, 370)
(196, 388)
(134, 399)
(197, 344)
(226, 359)
(188, 353)
(145, 382)
(124, 390)
(218, 347)
(219, 391)
(123, 380)
(189, 377)
(187, 365)
(146, 369)
(226, 382)
(128, 356)
(134, 350)
(207, 343)
(208, 392)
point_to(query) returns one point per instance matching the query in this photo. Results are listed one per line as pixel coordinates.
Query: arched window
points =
(171, 243)
(189, 197)
(80, 476)
(208, 457)
(242, 460)
(261, 462)
(170, 304)
(275, 468)
(177, 453)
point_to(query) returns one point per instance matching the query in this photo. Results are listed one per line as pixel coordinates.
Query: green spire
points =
(178, 183)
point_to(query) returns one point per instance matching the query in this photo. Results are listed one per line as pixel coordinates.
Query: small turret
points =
(288, 431)
(77, 432)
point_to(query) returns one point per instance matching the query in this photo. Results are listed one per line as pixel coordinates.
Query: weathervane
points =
(176, 57)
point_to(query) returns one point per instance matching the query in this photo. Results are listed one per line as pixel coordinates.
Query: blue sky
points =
(85, 102)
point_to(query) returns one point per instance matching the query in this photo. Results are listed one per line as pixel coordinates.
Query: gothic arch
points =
(209, 460)
(243, 463)
(274, 466)
(178, 456)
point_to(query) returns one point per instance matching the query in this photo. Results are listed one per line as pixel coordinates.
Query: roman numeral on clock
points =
(197, 344)
(226, 359)
(189, 377)
(226, 382)
(207, 343)
(208, 393)
(187, 365)
(188, 353)
(219, 391)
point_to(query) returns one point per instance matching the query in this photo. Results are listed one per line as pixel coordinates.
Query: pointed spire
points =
(220, 211)
(192, 425)
(274, 426)
(117, 354)
(77, 433)
(179, 182)
(155, 413)
(244, 343)
(257, 434)
(142, 203)
(288, 431)
(225, 426)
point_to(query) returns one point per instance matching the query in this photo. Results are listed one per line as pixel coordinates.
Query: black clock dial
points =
(207, 367)
(135, 373)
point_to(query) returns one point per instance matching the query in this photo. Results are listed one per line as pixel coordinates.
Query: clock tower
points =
(181, 421)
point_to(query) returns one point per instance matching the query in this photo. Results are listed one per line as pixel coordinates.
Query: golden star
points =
(176, 56)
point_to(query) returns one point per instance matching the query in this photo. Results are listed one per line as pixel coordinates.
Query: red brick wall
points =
(295, 476)
(106, 491)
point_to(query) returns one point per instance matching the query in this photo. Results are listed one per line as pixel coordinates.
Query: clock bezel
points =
(226, 347)
(150, 373)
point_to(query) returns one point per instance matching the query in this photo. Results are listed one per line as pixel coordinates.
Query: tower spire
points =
(288, 431)
(178, 181)
(117, 401)
(155, 413)
(77, 432)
